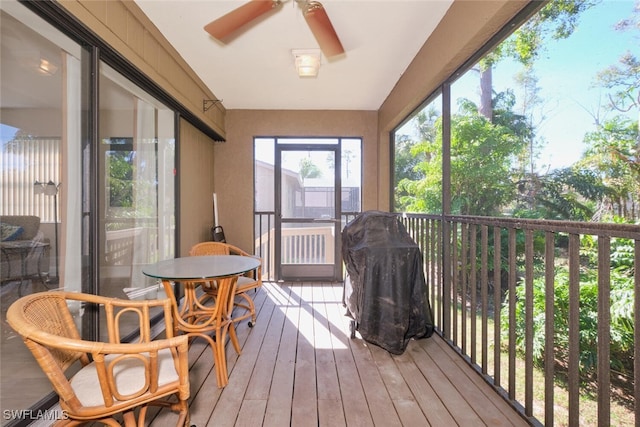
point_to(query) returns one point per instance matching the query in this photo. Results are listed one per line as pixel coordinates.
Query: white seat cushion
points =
(129, 377)
(245, 282)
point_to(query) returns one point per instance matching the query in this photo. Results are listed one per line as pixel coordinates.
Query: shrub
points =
(622, 295)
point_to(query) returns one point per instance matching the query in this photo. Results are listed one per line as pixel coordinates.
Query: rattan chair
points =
(210, 320)
(113, 377)
(247, 282)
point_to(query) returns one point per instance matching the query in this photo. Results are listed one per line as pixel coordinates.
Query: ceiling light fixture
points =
(47, 67)
(307, 62)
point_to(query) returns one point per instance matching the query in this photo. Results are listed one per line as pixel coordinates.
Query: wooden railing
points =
(309, 245)
(301, 245)
(480, 269)
(474, 266)
(128, 244)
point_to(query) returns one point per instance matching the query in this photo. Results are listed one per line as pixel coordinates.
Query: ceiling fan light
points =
(307, 62)
(46, 67)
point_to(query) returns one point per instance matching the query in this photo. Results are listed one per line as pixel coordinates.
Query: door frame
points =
(312, 272)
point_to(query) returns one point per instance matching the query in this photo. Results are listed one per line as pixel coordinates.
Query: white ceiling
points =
(255, 70)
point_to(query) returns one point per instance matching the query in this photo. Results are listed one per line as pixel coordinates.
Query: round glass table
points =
(209, 284)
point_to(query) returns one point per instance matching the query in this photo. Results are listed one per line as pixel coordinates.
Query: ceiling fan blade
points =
(321, 27)
(237, 18)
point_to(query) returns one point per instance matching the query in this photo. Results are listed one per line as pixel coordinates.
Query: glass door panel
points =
(136, 209)
(41, 127)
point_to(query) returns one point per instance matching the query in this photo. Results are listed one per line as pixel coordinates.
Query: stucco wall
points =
(124, 26)
(196, 177)
(233, 165)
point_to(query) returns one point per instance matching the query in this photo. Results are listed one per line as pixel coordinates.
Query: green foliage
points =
(120, 175)
(613, 156)
(415, 167)
(481, 155)
(621, 310)
(556, 20)
(480, 165)
(624, 78)
(492, 160)
(308, 169)
(563, 194)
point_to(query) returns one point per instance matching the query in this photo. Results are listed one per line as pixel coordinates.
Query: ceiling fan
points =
(313, 11)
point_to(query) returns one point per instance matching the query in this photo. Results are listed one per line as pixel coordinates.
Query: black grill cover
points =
(385, 290)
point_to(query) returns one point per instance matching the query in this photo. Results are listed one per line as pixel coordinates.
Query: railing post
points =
(461, 277)
(446, 209)
(604, 331)
(446, 280)
(636, 331)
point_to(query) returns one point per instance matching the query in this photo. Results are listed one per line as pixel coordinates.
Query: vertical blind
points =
(24, 161)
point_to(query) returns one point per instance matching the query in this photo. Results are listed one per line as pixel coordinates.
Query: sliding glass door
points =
(40, 182)
(92, 193)
(136, 210)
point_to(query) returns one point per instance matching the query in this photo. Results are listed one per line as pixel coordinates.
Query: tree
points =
(614, 149)
(564, 194)
(557, 19)
(308, 169)
(120, 178)
(481, 157)
(408, 154)
(613, 154)
(624, 78)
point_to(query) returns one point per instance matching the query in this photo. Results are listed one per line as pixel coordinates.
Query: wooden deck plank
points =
(304, 408)
(410, 413)
(407, 408)
(337, 342)
(380, 404)
(433, 408)
(262, 377)
(330, 413)
(278, 411)
(204, 398)
(300, 367)
(391, 375)
(491, 407)
(241, 367)
(251, 413)
(328, 385)
(455, 402)
(354, 401)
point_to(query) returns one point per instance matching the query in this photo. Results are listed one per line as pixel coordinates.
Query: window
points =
(546, 130)
(418, 159)
(532, 125)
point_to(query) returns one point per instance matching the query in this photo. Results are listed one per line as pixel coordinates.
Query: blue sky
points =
(567, 72)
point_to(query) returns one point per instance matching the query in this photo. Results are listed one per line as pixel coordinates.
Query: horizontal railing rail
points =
(316, 243)
(495, 284)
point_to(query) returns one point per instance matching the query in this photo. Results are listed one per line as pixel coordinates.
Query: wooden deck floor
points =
(299, 367)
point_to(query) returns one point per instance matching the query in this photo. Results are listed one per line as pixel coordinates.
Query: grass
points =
(621, 403)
